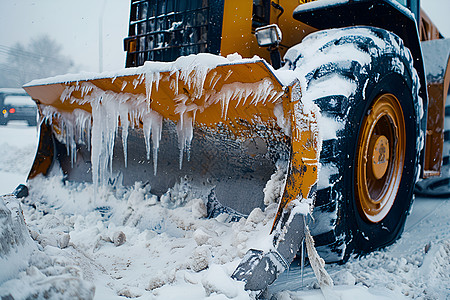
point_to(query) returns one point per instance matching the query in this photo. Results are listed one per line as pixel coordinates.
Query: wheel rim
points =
(380, 158)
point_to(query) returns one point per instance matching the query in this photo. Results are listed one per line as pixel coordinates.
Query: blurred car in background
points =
(16, 104)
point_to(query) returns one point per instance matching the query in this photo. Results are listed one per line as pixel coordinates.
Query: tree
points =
(41, 58)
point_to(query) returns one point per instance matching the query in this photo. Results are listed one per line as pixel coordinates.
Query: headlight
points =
(269, 35)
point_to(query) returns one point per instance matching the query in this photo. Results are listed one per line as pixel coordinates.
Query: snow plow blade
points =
(214, 131)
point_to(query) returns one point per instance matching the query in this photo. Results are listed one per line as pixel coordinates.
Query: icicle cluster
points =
(75, 128)
(99, 129)
(111, 110)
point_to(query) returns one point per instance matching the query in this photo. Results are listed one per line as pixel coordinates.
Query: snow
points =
(275, 186)
(170, 249)
(318, 4)
(17, 149)
(12, 91)
(183, 66)
(19, 100)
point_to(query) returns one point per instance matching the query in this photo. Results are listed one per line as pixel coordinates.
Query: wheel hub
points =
(379, 156)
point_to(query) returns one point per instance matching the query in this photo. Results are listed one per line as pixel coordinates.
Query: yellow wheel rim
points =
(380, 160)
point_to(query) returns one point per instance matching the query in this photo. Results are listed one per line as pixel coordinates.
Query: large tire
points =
(365, 85)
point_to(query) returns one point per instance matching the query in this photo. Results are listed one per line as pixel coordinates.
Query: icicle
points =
(125, 124)
(213, 77)
(69, 134)
(74, 127)
(67, 93)
(174, 82)
(85, 89)
(147, 128)
(194, 77)
(302, 260)
(156, 138)
(185, 131)
(83, 123)
(105, 116)
(152, 132)
(261, 91)
(157, 78)
(96, 142)
(135, 82)
(148, 87)
(228, 75)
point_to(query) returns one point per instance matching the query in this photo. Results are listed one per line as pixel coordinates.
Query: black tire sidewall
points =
(367, 236)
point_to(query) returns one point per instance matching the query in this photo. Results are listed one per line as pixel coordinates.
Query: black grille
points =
(162, 30)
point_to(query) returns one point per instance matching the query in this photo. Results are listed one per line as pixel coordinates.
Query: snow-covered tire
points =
(347, 72)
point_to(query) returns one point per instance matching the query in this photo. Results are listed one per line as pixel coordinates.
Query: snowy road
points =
(18, 144)
(417, 265)
(165, 262)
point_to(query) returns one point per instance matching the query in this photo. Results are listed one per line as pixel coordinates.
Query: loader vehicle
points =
(345, 116)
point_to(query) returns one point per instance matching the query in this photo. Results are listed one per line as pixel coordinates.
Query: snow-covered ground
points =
(122, 243)
(18, 144)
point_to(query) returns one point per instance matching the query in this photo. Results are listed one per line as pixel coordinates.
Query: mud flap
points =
(259, 269)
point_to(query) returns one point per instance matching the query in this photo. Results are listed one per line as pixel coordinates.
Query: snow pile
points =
(425, 273)
(127, 241)
(15, 241)
(26, 270)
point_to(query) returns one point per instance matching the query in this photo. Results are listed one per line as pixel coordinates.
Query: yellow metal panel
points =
(238, 36)
(293, 30)
(237, 28)
(304, 163)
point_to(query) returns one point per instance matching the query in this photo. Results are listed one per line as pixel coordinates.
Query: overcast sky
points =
(72, 23)
(75, 25)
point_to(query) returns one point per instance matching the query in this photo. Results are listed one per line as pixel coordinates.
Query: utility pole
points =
(100, 37)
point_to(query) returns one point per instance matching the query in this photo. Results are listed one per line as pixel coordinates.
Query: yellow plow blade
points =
(222, 121)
